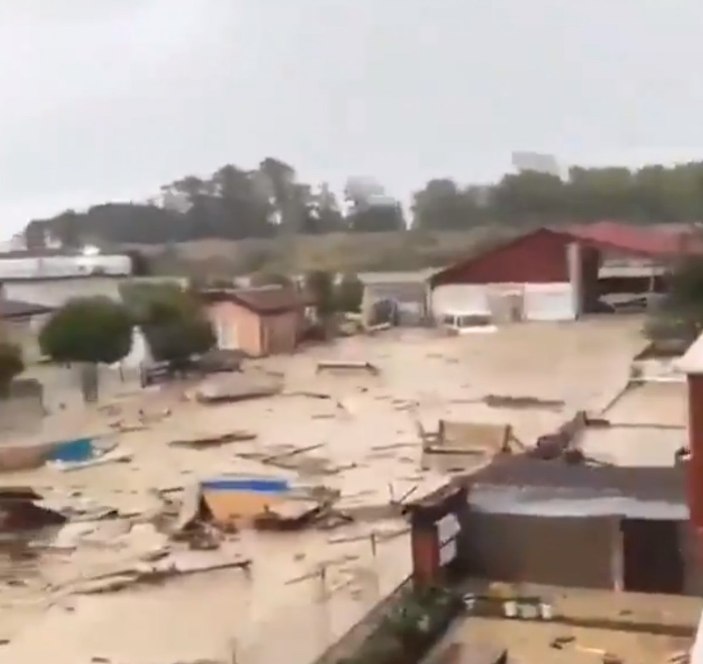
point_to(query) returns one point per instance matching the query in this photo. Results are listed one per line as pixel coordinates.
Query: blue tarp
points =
(258, 485)
(73, 451)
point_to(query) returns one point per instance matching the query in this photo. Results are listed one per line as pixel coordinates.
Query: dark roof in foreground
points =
(263, 299)
(641, 482)
(20, 309)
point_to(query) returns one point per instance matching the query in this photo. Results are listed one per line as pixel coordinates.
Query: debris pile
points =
(62, 453)
(202, 441)
(562, 443)
(508, 401)
(19, 511)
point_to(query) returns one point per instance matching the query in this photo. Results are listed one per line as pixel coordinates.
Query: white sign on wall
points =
(447, 552)
(448, 527)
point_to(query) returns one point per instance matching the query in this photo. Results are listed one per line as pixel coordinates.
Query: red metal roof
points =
(638, 240)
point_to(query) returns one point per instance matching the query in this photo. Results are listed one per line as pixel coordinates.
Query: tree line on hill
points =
(236, 203)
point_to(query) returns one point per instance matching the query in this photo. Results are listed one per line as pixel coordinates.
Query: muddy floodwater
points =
(361, 431)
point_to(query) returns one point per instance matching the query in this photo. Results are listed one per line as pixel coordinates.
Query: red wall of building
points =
(695, 462)
(540, 257)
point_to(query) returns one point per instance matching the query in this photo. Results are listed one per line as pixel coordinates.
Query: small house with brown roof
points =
(260, 321)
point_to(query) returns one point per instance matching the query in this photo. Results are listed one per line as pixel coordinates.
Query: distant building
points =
(61, 264)
(50, 278)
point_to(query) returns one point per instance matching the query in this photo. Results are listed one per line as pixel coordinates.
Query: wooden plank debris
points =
(214, 440)
(332, 365)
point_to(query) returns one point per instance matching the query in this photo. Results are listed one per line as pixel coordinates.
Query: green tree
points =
(320, 285)
(242, 210)
(376, 218)
(92, 331)
(442, 205)
(679, 315)
(323, 213)
(530, 198)
(67, 228)
(174, 323)
(281, 178)
(11, 365)
(349, 293)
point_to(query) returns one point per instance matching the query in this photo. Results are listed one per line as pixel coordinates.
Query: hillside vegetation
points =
(341, 252)
(243, 220)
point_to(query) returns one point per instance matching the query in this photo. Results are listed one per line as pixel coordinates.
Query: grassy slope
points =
(339, 251)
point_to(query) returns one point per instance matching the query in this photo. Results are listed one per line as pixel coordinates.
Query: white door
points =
(549, 302)
(227, 334)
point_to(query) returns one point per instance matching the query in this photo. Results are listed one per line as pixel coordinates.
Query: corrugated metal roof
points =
(262, 300)
(549, 502)
(642, 483)
(638, 239)
(605, 236)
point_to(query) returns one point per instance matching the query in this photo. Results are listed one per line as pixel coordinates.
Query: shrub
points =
(350, 292)
(95, 330)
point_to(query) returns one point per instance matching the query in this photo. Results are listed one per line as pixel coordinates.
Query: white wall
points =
(697, 649)
(549, 302)
(460, 299)
(140, 352)
(56, 292)
(541, 302)
(574, 261)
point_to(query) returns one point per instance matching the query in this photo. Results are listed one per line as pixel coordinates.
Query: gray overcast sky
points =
(108, 99)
